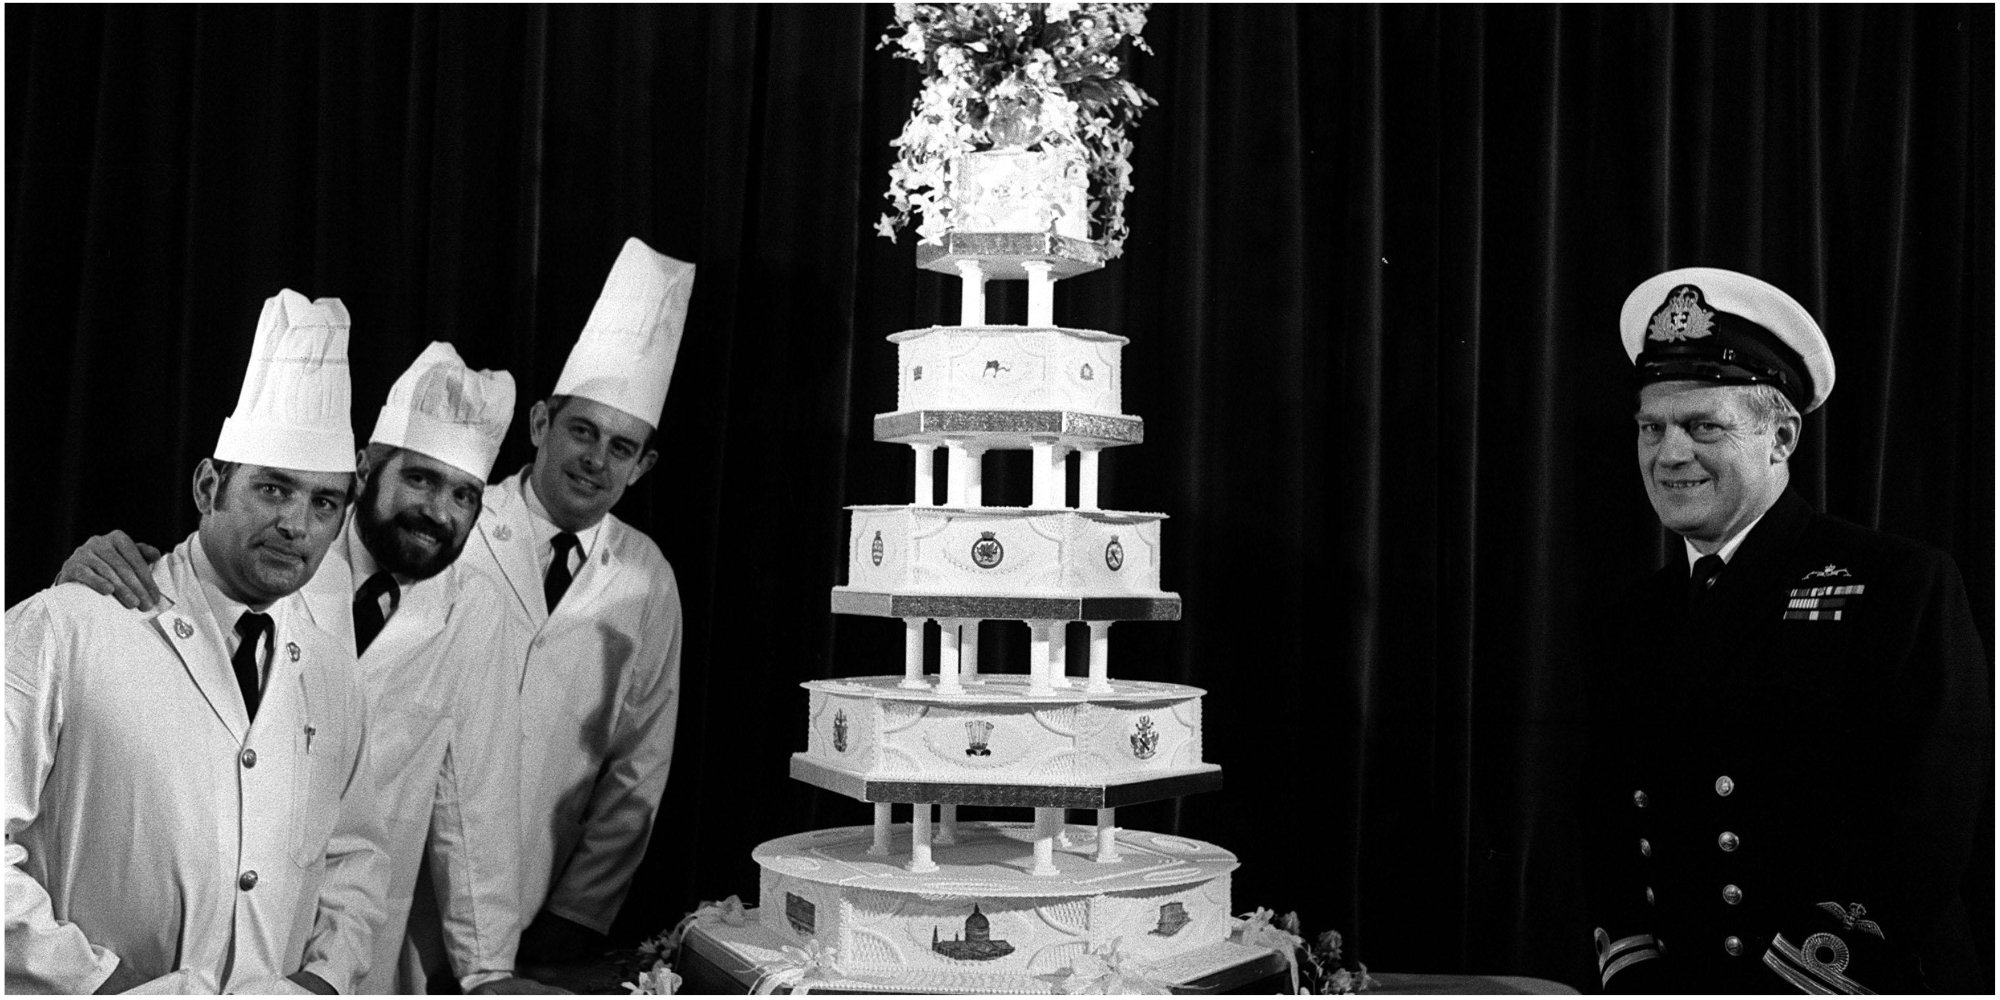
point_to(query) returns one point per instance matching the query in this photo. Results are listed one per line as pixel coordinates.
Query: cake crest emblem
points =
(875, 549)
(1145, 739)
(977, 732)
(1114, 554)
(1087, 374)
(987, 551)
(840, 730)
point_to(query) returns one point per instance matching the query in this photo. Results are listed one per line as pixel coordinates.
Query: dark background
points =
(1372, 291)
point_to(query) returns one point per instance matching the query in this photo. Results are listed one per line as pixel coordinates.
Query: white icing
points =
(1008, 368)
(1081, 739)
(1040, 552)
(1017, 191)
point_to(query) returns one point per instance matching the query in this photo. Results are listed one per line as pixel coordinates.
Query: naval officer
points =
(187, 799)
(1792, 717)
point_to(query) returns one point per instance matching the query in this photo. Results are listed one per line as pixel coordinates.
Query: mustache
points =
(417, 523)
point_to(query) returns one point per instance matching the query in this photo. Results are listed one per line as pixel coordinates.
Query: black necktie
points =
(252, 628)
(368, 616)
(557, 582)
(1706, 569)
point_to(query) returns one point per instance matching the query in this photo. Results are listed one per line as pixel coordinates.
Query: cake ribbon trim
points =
(799, 969)
(1255, 930)
(1106, 971)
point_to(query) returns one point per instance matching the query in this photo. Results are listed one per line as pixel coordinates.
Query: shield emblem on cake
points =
(987, 551)
(875, 549)
(840, 731)
(1114, 554)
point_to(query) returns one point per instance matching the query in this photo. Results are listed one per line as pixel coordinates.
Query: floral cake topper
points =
(1015, 75)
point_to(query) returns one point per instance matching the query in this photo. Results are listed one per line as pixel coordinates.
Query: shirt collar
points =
(227, 610)
(545, 529)
(1728, 549)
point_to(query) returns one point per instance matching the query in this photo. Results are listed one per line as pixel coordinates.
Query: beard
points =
(396, 540)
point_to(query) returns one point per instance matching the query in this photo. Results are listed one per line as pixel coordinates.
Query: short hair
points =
(557, 402)
(1768, 405)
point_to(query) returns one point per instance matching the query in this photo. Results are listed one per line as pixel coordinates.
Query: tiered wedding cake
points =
(935, 904)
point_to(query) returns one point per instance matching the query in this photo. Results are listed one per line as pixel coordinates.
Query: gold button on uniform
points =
(1639, 798)
(248, 757)
(1645, 848)
(247, 881)
(1733, 945)
(1649, 895)
(1727, 841)
(1732, 895)
(1724, 785)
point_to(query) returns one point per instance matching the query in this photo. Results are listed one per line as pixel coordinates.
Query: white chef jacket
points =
(440, 681)
(149, 822)
(599, 694)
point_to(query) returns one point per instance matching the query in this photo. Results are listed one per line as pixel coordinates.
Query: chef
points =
(188, 806)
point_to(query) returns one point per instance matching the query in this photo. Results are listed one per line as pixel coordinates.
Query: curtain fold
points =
(1371, 296)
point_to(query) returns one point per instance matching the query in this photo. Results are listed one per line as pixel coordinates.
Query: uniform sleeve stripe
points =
(1611, 953)
(1632, 958)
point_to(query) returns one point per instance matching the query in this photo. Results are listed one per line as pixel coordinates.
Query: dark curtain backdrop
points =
(1372, 291)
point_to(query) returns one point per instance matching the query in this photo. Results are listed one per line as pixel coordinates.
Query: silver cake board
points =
(720, 958)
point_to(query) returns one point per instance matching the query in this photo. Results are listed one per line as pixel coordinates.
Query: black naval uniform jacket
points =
(1788, 771)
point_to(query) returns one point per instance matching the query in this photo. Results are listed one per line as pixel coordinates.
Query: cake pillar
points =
(913, 653)
(948, 656)
(1107, 835)
(1048, 820)
(920, 838)
(1086, 479)
(972, 294)
(926, 464)
(954, 490)
(1100, 657)
(975, 476)
(880, 846)
(947, 824)
(1041, 293)
(1038, 657)
(968, 649)
(1059, 655)
(1048, 482)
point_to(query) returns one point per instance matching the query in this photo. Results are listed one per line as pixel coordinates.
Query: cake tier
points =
(1018, 191)
(997, 744)
(879, 604)
(744, 949)
(1008, 368)
(1009, 429)
(984, 911)
(1004, 551)
(1001, 255)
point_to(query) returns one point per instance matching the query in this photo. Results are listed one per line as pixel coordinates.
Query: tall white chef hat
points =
(448, 411)
(625, 357)
(294, 411)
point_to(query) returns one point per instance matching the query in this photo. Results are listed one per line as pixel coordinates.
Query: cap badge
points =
(292, 650)
(1682, 318)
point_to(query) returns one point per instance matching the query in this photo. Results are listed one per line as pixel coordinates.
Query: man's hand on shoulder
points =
(116, 566)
